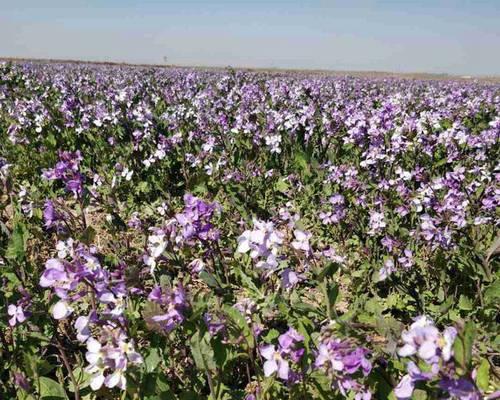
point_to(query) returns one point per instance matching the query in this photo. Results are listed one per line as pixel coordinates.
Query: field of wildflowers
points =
(181, 234)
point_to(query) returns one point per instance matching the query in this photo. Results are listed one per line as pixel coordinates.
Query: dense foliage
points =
(175, 234)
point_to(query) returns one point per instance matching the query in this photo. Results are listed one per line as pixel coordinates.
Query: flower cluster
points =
(18, 313)
(173, 304)
(336, 212)
(74, 277)
(67, 170)
(264, 244)
(366, 201)
(424, 342)
(109, 359)
(195, 220)
(280, 359)
(344, 363)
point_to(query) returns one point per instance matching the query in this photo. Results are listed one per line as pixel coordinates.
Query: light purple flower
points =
(17, 314)
(274, 362)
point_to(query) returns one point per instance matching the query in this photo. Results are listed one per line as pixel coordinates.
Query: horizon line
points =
(366, 73)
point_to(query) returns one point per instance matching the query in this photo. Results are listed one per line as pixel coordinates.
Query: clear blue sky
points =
(459, 36)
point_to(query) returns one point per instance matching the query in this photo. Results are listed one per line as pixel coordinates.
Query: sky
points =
(437, 36)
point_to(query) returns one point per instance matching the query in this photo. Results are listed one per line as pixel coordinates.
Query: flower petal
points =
(61, 310)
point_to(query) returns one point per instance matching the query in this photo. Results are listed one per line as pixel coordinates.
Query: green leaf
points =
(188, 395)
(209, 279)
(142, 187)
(281, 186)
(464, 303)
(51, 389)
(152, 360)
(220, 352)
(247, 282)
(333, 293)
(463, 346)
(50, 140)
(241, 323)
(39, 337)
(88, 235)
(301, 328)
(202, 351)
(271, 335)
(483, 375)
(329, 270)
(82, 379)
(493, 250)
(492, 292)
(16, 248)
(307, 308)
(419, 394)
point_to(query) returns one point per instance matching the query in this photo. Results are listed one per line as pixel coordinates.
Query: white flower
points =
(127, 174)
(377, 223)
(263, 242)
(244, 242)
(162, 209)
(96, 367)
(197, 265)
(449, 336)
(65, 248)
(301, 241)
(209, 169)
(117, 378)
(386, 270)
(61, 310)
(156, 245)
(82, 328)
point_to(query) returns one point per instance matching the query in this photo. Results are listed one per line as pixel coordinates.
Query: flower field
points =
(191, 234)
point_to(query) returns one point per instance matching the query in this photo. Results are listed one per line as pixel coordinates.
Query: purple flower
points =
(405, 388)
(82, 327)
(274, 362)
(173, 302)
(61, 310)
(17, 314)
(424, 340)
(214, 325)
(280, 360)
(289, 344)
(387, 269)
(134, 221)
(406, 260)
(301, 241)
(49, 214)
(67, 170)
(195, 220)
(377, 223)
(21, 381)
(54, 273)
(342, 356)
(461, 389)
(110, 357)
(341, 361)
(264, 243)
(289, 278)
(336, 210)
(196, 266)
(389, 243)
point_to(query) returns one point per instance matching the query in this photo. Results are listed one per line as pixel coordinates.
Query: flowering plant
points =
(186, 234)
